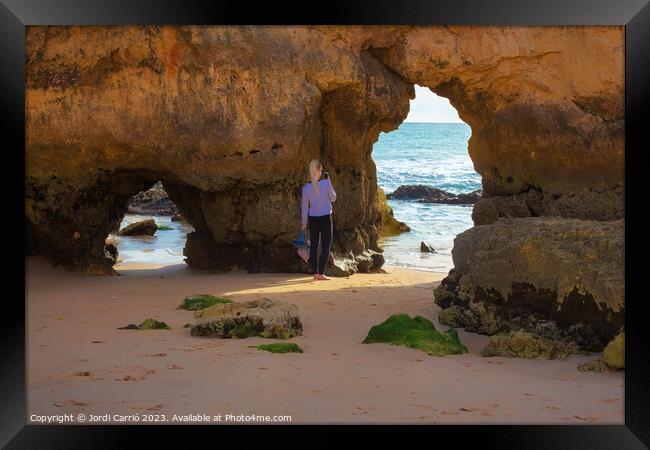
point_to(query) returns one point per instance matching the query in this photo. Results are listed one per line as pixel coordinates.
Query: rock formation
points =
(227, 118)
(428, 194)
(390, 226)
(154, 201)
(559, 278)
(147, 227)
(264, 317)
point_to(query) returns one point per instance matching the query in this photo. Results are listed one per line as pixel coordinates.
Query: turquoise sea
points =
(434, 154)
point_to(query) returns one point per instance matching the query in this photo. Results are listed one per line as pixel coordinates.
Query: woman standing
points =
(317, 198)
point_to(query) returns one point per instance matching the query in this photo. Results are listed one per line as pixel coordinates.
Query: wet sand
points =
(78, 363)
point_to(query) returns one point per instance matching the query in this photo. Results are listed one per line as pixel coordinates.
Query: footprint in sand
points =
(70, 403)
(83, 374)
(426, 407)
(130, 378)
(155, 408)
(173, 367)
(363, 410)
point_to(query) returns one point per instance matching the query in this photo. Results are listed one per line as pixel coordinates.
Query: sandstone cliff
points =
(227, 117)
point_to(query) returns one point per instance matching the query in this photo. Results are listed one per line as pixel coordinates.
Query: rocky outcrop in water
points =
(146, 227)
(428, 194)
(227, 119)
(558, 278)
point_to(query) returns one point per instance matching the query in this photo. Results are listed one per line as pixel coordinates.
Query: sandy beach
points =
(77, 362)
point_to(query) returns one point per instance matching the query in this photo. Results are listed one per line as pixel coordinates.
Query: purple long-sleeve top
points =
(317, 205)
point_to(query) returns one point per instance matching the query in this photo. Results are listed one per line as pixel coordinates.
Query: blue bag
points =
(301, 242)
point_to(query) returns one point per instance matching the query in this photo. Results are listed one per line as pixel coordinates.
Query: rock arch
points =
(228, 118)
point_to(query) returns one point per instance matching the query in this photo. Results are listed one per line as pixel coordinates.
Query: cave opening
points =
(430, 183)
(152, 231)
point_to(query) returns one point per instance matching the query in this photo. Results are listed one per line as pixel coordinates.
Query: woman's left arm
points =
(330, 191)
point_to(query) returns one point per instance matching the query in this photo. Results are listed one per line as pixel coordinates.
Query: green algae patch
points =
(279, 347)
(164, 228)
(418, 333)
(148, 324)
(198, 302)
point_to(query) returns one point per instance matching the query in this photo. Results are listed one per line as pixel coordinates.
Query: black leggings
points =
(320, 230)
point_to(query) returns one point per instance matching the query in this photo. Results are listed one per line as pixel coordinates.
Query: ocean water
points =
(434, 154)
(165, 247)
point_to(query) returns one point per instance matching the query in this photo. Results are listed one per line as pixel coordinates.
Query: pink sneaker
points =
(323, 277)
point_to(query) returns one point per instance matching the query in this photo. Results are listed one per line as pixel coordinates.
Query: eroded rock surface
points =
(154, 201)
(263, 317)
(227, 119)
(559, 277)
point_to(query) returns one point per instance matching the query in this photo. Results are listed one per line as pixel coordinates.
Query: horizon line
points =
(420, 121)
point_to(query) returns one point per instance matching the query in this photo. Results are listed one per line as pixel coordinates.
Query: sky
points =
(428, 107)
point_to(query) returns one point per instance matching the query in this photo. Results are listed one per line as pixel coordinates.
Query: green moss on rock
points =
(614, 352)
(198, 302)
(153, 324)
(522, 344)
(147, 324)
(418, 333)
(164, 228)
(263, 317)
(279, 347)
(451, 316)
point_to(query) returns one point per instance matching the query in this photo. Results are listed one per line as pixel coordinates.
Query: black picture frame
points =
(633, 14)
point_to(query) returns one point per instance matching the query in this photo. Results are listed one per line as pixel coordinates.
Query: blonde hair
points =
(316, 165)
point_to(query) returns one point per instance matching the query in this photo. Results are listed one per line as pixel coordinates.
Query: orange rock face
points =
(228, 117)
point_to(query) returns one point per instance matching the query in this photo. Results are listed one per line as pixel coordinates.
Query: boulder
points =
(146, 227)
(614, 352)
(263, 317)
(111, 252)
(426, 248)
(560, 277)
(341, 266)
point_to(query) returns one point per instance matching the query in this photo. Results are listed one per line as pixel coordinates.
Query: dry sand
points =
(77, 362)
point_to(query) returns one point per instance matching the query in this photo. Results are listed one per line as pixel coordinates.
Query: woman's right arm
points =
(330, 191)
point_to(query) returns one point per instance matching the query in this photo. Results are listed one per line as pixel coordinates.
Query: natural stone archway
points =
(546, 108)
(228, 118)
